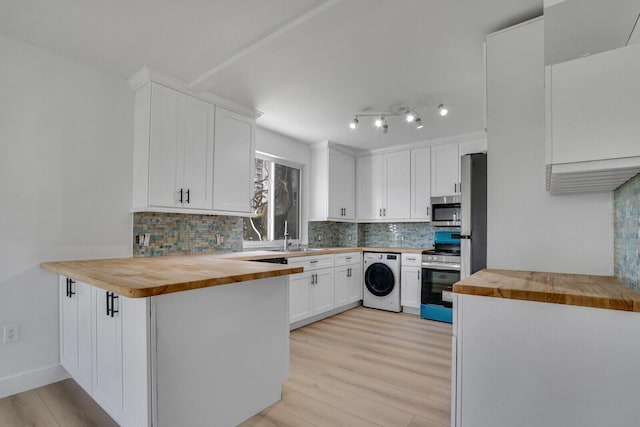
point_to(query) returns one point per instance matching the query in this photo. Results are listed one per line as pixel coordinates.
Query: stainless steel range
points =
(440, 270)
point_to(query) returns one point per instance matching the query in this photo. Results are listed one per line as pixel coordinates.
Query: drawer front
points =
(411, 260)
(348, 258)
(312, 262)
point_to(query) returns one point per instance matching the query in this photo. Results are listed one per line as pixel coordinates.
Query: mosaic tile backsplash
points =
(626, 254)
(327, 234)
(183, 234)
(396, 235)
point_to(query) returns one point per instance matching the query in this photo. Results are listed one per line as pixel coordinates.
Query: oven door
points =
(435, 279)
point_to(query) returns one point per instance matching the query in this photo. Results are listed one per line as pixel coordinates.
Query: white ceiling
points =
(308, 65)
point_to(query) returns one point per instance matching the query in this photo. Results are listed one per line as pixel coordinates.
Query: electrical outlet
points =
(11, 333)
(319, 238)
(145, 239)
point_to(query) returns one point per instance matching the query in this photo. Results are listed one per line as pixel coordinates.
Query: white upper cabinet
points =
(190, 155)
(594, 107)
(593, 126)
(398, 185)
(421, 183)
(180, 150)
(445, 170)
(333, 184)
(233, 162)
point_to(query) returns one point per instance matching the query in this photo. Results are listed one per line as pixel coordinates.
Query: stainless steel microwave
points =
(445, 211)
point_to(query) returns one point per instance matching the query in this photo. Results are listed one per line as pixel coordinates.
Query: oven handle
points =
(440, 266)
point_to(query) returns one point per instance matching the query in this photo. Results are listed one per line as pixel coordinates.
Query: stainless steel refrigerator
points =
(473, 212)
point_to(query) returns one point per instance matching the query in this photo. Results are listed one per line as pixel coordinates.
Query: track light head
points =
(379, 122)
(443, 110)
(410, 116)
(385, 128)
(354, 123)
(419, 124)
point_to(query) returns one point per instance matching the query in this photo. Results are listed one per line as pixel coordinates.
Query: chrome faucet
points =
(287, 240)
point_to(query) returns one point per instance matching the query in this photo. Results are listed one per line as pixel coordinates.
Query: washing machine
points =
(381, 281)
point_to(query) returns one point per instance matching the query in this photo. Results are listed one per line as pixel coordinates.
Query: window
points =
(276, 199)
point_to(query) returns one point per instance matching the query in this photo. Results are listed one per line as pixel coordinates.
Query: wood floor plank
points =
(421, 422)
(279, 417)
(25, 409)
(71, 406)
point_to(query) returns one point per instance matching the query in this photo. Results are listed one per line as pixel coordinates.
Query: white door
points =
(107, 376)
(354, 283)
(299, 296)
(410, 291)
(445, 164)
(198, 155)
(421, 183)
(398, 185)
(342, 183)
(341, 285)
(166, 146)
(323, 290)
(233, 162)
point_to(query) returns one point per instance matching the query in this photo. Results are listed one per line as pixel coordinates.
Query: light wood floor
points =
(363, 367)
(366, 367)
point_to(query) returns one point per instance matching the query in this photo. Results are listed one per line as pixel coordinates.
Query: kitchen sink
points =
(296, 250)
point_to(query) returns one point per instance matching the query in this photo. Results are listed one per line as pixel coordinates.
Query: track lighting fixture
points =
(407, 113)
(354, 123)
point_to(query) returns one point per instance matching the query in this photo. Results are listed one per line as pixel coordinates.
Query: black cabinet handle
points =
(70, 291)
(455, 187)
(108, 305)
(113, 310)
(180, 195)
(188, 191)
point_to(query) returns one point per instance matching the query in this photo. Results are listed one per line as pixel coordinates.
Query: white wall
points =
(529, 229)
(278, 145)
(66, 134)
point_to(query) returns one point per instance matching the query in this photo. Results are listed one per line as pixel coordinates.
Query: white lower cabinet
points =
(411, 283)
(75, 331)
(348, 278)
(185, 358)
(311, 292)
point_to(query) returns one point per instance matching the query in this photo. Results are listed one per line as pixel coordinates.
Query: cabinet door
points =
(323, 291)
(233, 162)
(166, 146)
(341, 285)
(421, 183)
(370, 183)
(410, 288)
(445, 165)
(355, 283)
(107, 376)
(398, 185)
(299, 297)
(197, 180)
(68, 328)
(342, 182)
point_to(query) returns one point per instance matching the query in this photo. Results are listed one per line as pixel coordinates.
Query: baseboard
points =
(308, 321)
(411, 310)
(31, 379)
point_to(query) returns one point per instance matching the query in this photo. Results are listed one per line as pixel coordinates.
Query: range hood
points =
(591, 176)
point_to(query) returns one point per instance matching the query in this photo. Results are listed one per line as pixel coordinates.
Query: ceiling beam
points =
(205, 81)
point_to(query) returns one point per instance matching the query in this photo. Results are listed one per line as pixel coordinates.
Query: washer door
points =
(379, 280)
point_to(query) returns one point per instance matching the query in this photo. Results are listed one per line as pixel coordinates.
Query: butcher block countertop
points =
(557, 288)
(149, 276)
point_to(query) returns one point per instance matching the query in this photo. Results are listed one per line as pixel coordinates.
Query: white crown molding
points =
(334, 145)
(145, 75)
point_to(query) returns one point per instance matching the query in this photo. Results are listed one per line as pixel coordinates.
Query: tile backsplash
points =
(396, 235)
(627, 232)
(182, 234)
(326, 234)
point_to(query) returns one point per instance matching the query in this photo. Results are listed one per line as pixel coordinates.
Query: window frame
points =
(279, 243)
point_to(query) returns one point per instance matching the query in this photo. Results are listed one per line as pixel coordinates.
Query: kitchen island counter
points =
(557, 288)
